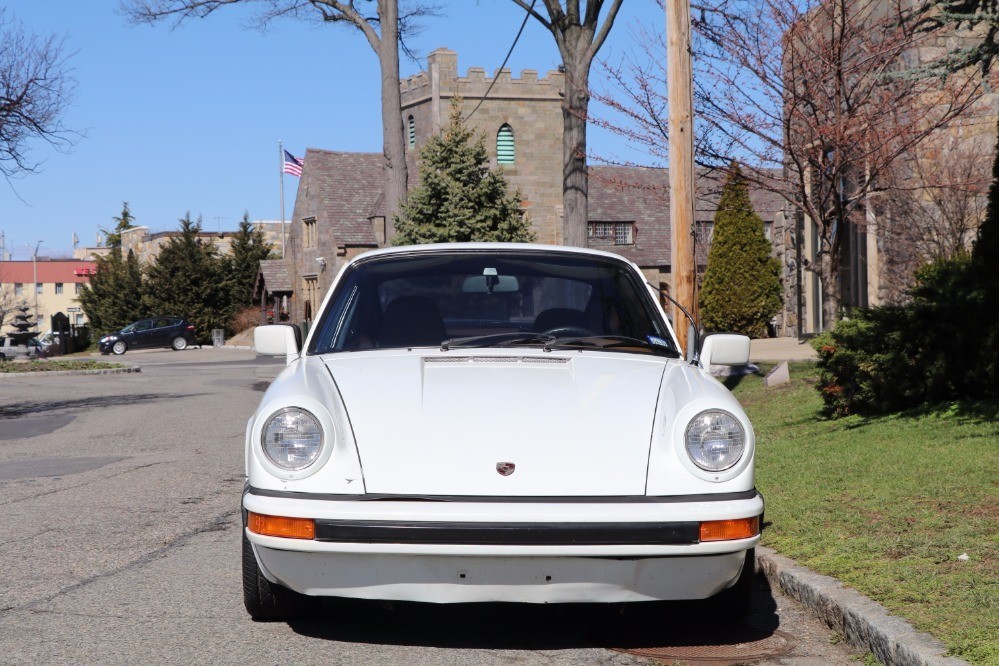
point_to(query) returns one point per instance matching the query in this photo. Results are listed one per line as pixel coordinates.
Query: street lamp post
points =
(34, 270)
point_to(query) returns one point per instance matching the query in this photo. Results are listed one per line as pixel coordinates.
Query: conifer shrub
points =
(892, 358)
(741, 289)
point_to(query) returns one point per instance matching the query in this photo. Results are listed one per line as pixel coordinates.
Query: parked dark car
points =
(174, 332)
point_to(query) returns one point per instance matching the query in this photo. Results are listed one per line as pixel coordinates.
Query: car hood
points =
(447, 424)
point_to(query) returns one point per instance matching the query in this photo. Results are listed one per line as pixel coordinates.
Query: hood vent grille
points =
(533, 360)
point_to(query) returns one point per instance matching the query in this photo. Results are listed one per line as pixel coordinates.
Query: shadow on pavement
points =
(624, 627)
(95, 402)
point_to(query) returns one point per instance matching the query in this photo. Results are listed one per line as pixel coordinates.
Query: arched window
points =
(505, 153)
(411, 125)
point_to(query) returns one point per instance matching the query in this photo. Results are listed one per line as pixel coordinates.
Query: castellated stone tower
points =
(521, 120)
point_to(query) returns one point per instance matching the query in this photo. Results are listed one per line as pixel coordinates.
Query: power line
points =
(527, 16)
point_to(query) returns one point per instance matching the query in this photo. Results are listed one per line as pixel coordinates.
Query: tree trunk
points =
(831, 298)
(393, 137)
(574, 177)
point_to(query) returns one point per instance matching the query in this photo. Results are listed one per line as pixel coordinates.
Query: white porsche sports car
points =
(496, 422)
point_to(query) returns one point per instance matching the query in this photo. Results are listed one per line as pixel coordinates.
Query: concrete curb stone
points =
(57, 373)
(866, 624)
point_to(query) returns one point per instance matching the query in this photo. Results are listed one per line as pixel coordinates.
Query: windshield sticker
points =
(657, 341)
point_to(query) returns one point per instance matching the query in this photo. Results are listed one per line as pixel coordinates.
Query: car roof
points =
(512, 248)
(491, 247)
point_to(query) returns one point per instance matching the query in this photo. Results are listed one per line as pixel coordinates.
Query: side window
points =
(505, 149)
(411, 129)
(310, 235)
(311, 293)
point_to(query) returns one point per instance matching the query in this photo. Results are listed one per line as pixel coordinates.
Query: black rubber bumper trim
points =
(506, 499)
(508, 534)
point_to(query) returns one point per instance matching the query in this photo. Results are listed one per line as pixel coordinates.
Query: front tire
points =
(119, 348)
(179, 343)
(266, 601)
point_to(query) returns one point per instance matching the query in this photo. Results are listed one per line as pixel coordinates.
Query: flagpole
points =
(281, 176)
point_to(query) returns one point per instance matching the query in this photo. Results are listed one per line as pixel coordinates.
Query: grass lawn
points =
(52, 366)
(890, 505)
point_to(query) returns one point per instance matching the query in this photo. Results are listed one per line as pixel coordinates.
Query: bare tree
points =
(383, 29)
(579, 36)
(9, 301)
(35, 89)
(817, 96)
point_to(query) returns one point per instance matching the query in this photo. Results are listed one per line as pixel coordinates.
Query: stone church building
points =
(339, 211)
(926, 206)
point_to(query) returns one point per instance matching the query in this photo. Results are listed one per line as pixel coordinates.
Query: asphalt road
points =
(119, 543)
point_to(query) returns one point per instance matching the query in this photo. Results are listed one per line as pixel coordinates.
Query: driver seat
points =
(553, 318)
(411, 321)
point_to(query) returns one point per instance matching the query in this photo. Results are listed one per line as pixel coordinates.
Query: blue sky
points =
(188, 119)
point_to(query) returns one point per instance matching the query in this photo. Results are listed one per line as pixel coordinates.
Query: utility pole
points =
(681, 160)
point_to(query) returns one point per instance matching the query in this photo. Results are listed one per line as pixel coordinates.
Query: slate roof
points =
(641, 195)
(349, 186)
(274, 273)
(351, 191)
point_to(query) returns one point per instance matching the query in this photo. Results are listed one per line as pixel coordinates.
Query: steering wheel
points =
(569, 332)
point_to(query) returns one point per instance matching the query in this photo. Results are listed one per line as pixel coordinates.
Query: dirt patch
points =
(244, 339)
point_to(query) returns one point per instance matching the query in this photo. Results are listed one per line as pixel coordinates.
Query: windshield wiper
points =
(608, 342)
(497, 340)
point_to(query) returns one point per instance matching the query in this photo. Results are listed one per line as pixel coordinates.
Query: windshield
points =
(489, 298)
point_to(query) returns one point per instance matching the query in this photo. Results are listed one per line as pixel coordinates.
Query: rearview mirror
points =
(490, 284)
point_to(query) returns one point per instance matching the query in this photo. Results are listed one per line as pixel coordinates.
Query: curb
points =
(866, 624)
(63, 373)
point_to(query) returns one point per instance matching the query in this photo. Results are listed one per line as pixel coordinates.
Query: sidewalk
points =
(781, 349)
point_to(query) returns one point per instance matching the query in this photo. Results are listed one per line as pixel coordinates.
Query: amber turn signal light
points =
(725, 530)
(279, 526)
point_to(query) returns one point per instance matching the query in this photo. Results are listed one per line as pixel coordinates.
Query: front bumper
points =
(524, 551)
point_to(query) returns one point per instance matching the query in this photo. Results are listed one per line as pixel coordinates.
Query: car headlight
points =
(715, 440)
(292, 439)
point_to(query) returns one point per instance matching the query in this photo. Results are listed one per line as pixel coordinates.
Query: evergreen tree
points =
(985, 277)
(741, 290)
(113, 297)
(187, 280)
(249, 247)
(123, 222)
(459, 198)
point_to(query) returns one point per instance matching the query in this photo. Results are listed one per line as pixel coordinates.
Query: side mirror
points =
(725, 349)
(277, 340)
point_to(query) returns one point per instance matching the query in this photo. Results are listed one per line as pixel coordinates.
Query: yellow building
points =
(45, 287)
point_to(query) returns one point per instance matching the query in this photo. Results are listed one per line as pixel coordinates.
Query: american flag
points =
(292, 164)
